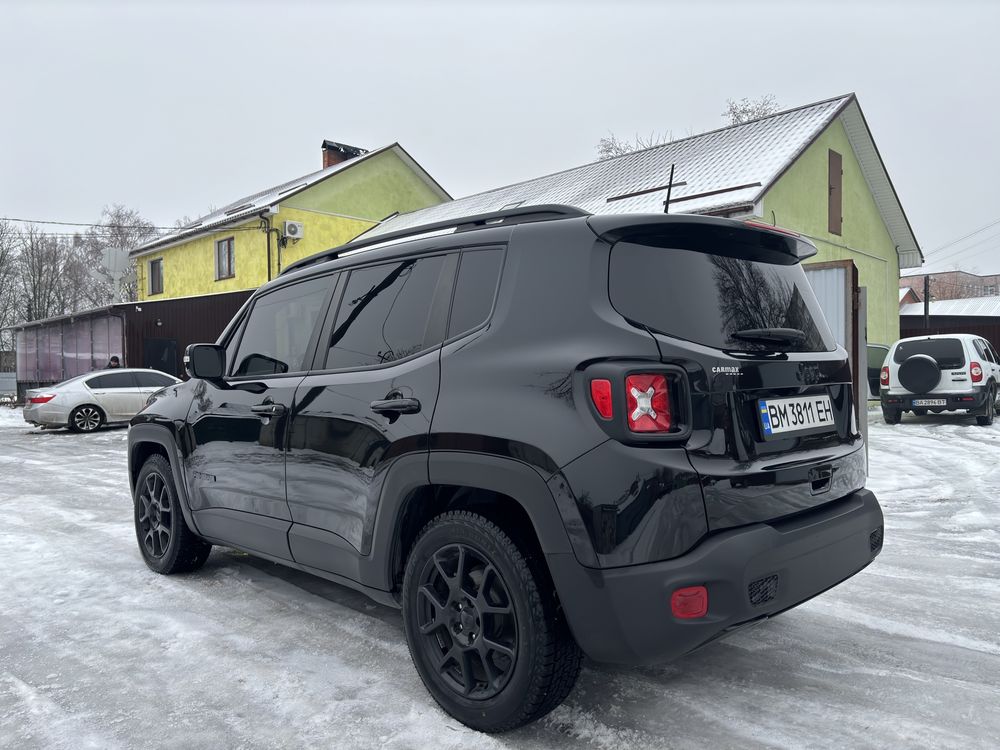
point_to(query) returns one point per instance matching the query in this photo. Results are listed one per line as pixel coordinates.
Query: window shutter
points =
(836, 193)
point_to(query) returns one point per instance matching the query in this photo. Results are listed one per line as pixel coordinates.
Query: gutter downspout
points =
(277, 232)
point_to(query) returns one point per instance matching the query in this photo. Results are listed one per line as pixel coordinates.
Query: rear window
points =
(705, 297)
(948, 353)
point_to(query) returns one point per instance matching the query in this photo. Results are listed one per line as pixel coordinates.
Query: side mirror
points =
(205, 361)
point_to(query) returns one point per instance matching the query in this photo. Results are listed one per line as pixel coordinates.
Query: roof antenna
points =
(670, 184)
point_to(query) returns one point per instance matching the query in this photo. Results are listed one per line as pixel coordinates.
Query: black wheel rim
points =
(466, 621)
(155, 509)
(87, 418)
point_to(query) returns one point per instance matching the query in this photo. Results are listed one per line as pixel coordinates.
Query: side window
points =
(478, 277)
(992, 351)
(985, 349)
(153, 379)
(156, 276)
(385, 314)
(112, 380)
(279, 327)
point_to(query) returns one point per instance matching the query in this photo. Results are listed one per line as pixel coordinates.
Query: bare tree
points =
(746, 109)
(611, 146)
(106, 248)
(9, 298)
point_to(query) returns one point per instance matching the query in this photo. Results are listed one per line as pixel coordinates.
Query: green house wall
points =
(799, 201)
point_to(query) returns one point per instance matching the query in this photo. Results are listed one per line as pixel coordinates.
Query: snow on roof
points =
(727, 168)
(252, 205)
(985, 307)
(903, 291)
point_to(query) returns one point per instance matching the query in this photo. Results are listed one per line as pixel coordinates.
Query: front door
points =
(117, 393)
(369, 402)
(238, 427)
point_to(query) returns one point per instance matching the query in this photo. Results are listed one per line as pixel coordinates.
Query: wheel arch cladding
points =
(145, 440)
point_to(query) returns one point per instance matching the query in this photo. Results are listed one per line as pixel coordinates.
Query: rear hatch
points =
(929, 365)
(773, 428)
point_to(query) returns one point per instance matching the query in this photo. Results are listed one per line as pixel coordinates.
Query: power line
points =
(964, 237)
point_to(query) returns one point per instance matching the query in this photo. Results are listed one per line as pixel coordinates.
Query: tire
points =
(483, 627)
(892, 416)
(920, 412)
(985, 420)
(86, 418)
(920, 373)
(166, 543)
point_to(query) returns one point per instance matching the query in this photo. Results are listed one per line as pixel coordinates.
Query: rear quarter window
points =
(478, 278)
(948, 353)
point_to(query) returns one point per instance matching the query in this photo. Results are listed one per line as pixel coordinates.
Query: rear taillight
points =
(43, 399)
(884, 377)
(977, 372)
(689, 602)
(647, 403)
(600, 394)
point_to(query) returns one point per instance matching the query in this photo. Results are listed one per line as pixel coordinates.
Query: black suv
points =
(537, 431)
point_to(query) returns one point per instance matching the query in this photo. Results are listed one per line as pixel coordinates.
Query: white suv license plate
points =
(930, 402)
(789, 416)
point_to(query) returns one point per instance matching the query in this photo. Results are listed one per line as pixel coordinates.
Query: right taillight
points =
(43, 399)
(647, 403)
(884, 377)
(977, 372)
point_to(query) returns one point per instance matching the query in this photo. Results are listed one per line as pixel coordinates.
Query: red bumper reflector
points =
(689, 603)
(600, 394)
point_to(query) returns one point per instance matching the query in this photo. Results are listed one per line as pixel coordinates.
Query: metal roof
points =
(727, 168)
(983, 307)
(251, 206)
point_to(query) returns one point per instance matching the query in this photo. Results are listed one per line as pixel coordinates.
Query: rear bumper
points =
(623, 615)
(972, 399)
(45, 417)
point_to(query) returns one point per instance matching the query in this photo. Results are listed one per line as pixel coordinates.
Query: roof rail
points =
(507, 217)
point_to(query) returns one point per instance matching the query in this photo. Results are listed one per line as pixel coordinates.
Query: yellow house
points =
(250, 241)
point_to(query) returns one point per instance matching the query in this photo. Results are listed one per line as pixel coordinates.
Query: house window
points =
(225, 267)
(156, 276)
(835, 190)
(991, 291)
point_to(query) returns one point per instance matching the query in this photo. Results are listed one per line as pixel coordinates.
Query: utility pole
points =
(927, 303)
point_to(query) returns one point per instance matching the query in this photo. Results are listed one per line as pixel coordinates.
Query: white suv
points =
(953, 372)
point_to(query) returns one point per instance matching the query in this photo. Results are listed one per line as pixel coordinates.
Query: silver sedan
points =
(86, 402)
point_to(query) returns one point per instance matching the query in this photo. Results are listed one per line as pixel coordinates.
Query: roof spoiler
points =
(506, 217)
(691, 231)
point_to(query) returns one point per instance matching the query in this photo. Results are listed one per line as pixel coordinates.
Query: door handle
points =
(269, 410)
(396, 406)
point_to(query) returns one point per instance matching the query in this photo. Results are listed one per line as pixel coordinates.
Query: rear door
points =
(117, 393)
(237, 429)
(368, 403)
(773, 427)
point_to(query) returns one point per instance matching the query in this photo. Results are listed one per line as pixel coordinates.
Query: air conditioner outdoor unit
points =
(294, 230)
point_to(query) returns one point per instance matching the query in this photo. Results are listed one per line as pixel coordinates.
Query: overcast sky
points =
(172, 108)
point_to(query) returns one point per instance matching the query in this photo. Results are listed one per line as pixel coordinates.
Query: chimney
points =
(335, 153)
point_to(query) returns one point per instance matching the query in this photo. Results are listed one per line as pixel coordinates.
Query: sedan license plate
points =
(785, 417)
(930, 402)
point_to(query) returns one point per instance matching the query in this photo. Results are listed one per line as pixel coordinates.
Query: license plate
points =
(799, 415)
(930, 402)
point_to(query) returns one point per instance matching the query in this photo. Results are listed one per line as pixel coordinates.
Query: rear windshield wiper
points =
(788, 336)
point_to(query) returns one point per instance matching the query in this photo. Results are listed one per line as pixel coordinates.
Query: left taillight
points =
(884, 377)
(42, 399)
(647, 403)
(977, 372)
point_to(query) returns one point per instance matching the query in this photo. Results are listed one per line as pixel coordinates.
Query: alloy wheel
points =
(466, 620)
(156, 509)
(87, 419)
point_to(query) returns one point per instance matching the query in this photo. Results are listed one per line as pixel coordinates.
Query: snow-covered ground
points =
(97, 651)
